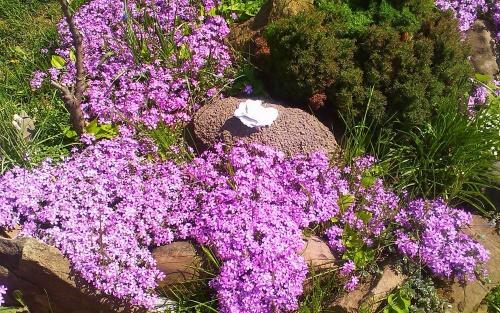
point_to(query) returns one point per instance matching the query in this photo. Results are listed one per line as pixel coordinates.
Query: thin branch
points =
(74, 99)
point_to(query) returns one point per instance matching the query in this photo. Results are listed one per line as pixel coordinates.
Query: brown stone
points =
(483, 51)
(293, 132)
(317, 253)
(467, 299)
(178, 261)
(350, 302)
(43, 275)
(388, 281)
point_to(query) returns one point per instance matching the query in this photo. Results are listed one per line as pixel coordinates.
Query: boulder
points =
(467, 299)
(483, 51)
(293, 132)
(43, 275)
(317, 253)
(178, 261)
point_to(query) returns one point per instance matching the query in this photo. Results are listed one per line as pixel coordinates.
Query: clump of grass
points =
(452, 155)
(25, 28)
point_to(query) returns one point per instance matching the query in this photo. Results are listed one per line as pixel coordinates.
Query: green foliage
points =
(356, 249)
(170, 142)
(322, 287)
(245, 74)
(25, 28)
(450, 155)
(398, 302)
(493, 300)
(101, 131)
(308, 58)
(403, 55)
(195, 296)
(21, 305)
(244, 9)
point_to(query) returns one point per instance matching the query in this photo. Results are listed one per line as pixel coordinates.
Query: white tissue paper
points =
(253, 114)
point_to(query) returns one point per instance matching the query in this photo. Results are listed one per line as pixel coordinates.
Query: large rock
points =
(293, 132)
(483, 51)
(467, 299)
(43, 275)
(178, 261)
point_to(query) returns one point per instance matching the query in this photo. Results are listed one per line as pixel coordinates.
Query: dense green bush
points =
(307, 58)
(407, 51)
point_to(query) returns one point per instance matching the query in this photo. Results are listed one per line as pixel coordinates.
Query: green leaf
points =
(57, 62)
(368, 181)
(18, 295)
(72, 55)
(184, 52)
(365, 216)
(345, 201)
(92, 127)
(483, 78)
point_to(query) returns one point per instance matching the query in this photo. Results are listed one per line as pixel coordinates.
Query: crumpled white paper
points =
(253, 114)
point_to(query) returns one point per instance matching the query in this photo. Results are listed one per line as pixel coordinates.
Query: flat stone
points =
(178, 261)
(317, 253)
(468, 299)
(388, 281)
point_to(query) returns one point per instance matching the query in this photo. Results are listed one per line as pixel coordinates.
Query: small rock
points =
(350, 302)
(178, 261)
(317, 253)
(294, 131)
(467, 299)
(389, 281)
(483, 52)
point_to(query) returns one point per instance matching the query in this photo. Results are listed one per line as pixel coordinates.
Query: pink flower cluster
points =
(149, 62)
(107, 206)
(467, 11)
(102, 208)
(431, 232)
(252, 203)
(3, 292)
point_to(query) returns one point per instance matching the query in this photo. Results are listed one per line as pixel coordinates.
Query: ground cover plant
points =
(132, 184)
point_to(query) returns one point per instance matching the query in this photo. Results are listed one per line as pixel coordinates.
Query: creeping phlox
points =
(467, 11)
(431, 232)
(147, 61)
(106, 207)
(3, 292)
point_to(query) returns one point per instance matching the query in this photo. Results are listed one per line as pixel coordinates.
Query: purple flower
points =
(163, 85)
(431, 232)
(3, 292)
(347, 268)
(37, 79)
(248, 89)
(351, 283)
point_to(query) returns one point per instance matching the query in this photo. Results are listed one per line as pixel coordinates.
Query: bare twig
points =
(73, 99)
